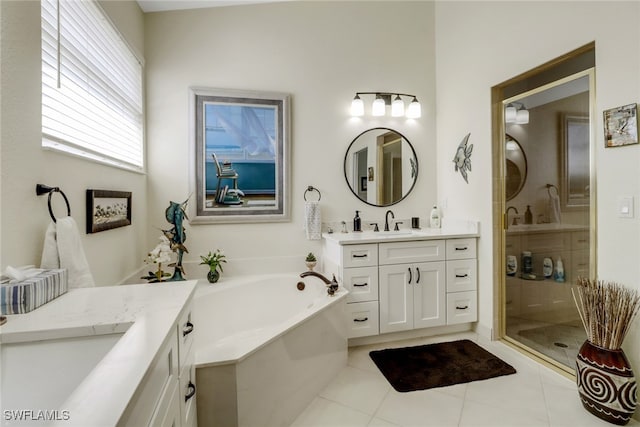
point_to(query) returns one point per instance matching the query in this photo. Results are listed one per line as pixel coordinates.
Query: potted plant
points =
(311, 261)
(606, 383)
(214, 261)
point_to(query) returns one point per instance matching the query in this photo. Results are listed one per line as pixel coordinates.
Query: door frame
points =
(498, 97)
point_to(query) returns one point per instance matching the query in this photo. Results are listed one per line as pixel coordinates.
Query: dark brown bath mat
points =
(438, 365)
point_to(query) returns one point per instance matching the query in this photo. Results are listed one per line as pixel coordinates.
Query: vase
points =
(310, 264)
(213, 276)
(606, 384)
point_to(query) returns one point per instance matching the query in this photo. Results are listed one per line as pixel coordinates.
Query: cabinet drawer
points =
(359, 255)
(411, 252)
(546, 242)
(188, 391)
(462, 307)
(461, 248)
(580, 240)
(362, 319)
(185, 334)
(167, 413)
(362, 283)
(462, 275)
(162, 374)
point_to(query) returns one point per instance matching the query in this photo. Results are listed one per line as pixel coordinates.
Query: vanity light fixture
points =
(382, 99)
(516, 113)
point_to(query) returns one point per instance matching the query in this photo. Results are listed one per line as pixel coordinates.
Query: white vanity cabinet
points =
(412, 285)
(399, 283)
(166, 397)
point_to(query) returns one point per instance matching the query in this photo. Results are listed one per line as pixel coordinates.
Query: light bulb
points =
(510, 114)
(397, 107)
(522, 117)
(415, 110)
(357, 107)
(378, 107)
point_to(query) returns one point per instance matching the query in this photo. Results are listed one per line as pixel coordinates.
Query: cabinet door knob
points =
(358, 285)
(461, 248)
(359, 256)
(361, 320)
(462, 308)
(410, 276)
(191, 391)
(460, 276)
(188, 328)
(418, 272)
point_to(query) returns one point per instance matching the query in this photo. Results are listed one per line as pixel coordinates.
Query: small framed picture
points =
(621, 126)
(363, 183)
(107, 209)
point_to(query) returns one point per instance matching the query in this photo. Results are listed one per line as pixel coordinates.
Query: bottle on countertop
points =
(547, 268)
(559, 274)
(528, 215)
(434, 217)
(357, 224)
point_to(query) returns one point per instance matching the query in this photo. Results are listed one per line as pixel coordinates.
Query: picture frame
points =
(621, 126)
(107, 209)
(363, 183)
(239, 156)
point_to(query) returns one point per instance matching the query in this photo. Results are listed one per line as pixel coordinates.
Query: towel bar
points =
(45, 189)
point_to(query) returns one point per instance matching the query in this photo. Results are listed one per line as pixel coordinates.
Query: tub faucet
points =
(506, 217)
(386, 219)
(332, 285)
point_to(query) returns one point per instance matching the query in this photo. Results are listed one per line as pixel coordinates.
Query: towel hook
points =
(44, 189)
(312, 188)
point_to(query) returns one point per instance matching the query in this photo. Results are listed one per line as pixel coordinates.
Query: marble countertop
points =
(145, 313)
(452, 231)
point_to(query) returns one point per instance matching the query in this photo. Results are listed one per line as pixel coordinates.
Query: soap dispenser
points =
(528, 215)
(434, 218)
(357, 224)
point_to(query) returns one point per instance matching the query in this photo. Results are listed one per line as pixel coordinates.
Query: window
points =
(91, 86)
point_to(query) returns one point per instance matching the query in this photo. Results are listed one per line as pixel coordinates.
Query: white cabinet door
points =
(412, 296)
(429, 294)
(396, 298)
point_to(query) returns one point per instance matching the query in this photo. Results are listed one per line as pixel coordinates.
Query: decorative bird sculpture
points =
(175, 214)
(462, 159)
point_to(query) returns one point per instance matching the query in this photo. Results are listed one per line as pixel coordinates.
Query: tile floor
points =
(534, 396)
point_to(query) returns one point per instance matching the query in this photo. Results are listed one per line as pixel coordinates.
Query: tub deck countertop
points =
(145, 314)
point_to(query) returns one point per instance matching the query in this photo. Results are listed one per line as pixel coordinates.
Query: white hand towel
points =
(313, 220)
(68, 251)
(554, 208)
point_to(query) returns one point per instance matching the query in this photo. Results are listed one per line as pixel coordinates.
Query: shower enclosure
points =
(546, 204)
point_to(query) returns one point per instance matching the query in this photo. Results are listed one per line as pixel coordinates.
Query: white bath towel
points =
(63, 249)
(554, 207)
(312, 220)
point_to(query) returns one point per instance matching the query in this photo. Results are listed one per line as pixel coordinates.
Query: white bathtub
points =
(263, 348)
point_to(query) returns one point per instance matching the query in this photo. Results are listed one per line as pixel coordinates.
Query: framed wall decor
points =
(107, 209)
(621, 126)
(239, 156)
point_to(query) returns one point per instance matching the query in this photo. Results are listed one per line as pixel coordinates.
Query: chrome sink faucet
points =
(332, 285)
(386, 219)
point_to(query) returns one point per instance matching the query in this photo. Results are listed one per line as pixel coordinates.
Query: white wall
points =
(113, 254)
(481, 44)
(319, 52)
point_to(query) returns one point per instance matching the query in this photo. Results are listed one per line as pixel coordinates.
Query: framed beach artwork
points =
(621, 126)
(107, 209)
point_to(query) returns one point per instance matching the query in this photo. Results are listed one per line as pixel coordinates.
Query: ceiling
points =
(163, 5)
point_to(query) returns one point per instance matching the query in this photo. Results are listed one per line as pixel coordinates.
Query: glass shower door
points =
(548, 215)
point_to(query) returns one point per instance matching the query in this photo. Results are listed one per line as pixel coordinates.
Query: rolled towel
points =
(313, 220)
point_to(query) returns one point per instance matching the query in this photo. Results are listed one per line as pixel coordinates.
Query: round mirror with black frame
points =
(380, 167)
(515, 167)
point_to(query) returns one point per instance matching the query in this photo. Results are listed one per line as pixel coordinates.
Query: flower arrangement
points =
(310, 261)
(160, 254)
(214, 261)
(606, 310)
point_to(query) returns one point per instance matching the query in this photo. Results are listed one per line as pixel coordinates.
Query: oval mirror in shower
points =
(380, 167)
(515, 168)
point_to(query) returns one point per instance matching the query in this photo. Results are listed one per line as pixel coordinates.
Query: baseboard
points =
(416, 333)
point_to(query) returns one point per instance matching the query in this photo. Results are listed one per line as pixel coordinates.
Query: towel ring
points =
(311, 188)
(44, 189)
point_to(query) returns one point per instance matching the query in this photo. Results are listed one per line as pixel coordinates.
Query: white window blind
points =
(91, 86)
